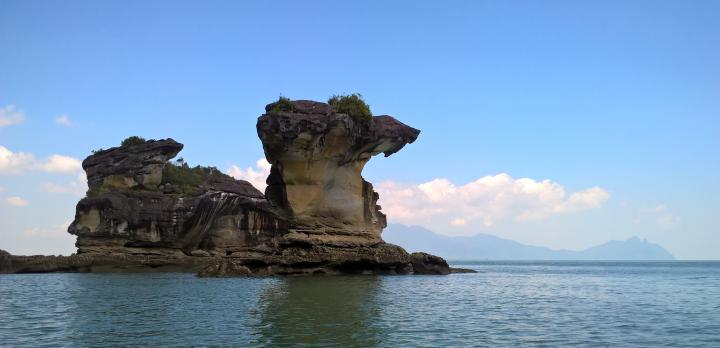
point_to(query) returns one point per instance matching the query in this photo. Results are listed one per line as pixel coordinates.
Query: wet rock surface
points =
(317, 216)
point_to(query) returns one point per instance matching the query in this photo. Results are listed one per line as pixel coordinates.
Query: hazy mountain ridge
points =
(489, 247)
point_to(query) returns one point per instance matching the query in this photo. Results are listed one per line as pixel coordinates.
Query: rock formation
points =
(129, 210)
(317, 158)
(317, 216)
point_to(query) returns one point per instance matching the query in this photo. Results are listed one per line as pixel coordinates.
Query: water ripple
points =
(506, 304)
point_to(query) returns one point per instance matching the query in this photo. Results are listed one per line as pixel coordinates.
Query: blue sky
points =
(615, 95)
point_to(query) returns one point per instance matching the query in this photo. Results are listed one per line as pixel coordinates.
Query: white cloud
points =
(77, 187)
(53, 231)
(256, 176)
(458, 222)
(63, 120)
(17, 201)
(60, 164)
(9, 116)
(663, 217)
(54, 188)
(14, 163)
(486, 201)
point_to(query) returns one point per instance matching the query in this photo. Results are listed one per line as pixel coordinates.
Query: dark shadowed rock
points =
(5, 262)
(313, 260)
(424, 263)
(454, 270)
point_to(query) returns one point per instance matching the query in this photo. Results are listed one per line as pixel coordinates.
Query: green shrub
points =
(186, 178)
(133, 140)
(97, 150)
(282, 104)
(352, 105)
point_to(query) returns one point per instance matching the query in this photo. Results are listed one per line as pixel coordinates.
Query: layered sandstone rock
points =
(129, 211)
(317, 158)
(134, 166)
(317, 216)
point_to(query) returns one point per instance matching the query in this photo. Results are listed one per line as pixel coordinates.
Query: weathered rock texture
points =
(127, 211)
(135, 166)
(319, 217)
(317, 158)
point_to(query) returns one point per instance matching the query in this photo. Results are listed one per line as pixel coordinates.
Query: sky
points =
(562, 124)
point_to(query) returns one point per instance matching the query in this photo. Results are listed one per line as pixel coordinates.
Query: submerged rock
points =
(462, 270)
(317, 216)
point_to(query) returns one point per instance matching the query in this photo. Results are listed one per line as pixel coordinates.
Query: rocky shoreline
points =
(316, 216)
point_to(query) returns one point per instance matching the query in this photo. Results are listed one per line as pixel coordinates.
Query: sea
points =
(504, 304)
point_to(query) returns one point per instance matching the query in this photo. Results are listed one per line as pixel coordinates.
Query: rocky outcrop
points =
(317, 158)
(382, 258)
(134, 166)
(424, 263)
(317, 216)
(130, 210)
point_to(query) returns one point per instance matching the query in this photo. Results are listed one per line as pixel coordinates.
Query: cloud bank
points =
(483, 202)
(14, 163)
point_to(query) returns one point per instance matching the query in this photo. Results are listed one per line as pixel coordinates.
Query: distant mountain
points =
(489, 247)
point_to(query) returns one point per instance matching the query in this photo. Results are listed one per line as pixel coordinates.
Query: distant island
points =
(489, 247)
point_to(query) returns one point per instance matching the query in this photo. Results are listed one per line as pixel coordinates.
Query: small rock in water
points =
(424, 263)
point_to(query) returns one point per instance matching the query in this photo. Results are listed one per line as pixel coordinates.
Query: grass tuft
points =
(352, 105)
(282, 104)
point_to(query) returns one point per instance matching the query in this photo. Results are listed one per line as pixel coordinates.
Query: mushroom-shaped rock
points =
(317, 158)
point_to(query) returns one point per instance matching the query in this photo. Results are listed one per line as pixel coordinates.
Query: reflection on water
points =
(320, 311)
(506, 304)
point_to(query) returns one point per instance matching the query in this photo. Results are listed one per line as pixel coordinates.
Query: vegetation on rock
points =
(282, 104)
(133, 140)
(352, 105)
(188, 179)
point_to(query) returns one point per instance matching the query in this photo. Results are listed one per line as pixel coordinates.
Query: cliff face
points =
(318, 214)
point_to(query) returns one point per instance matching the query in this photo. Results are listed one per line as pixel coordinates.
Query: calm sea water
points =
(505, 304)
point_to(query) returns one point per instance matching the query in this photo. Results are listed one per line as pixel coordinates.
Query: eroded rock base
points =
(292, 260)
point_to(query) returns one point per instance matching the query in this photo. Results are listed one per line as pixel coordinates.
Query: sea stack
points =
(317, 215)
(317, 158)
